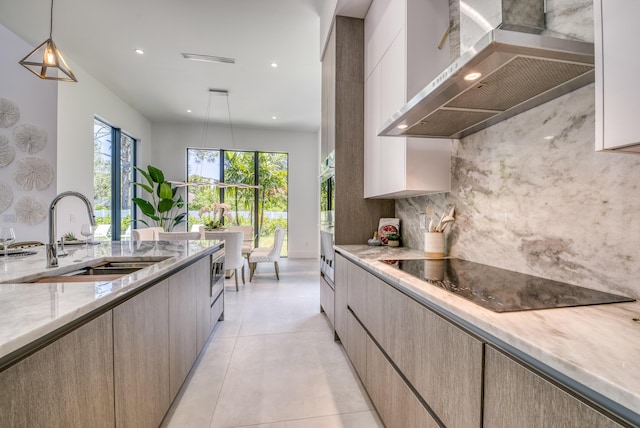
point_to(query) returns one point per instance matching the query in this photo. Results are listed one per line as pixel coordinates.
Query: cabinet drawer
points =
(327, 300)
(216, 310)
(356, 346)
(394, 400)
(516, 396)
(442, 362)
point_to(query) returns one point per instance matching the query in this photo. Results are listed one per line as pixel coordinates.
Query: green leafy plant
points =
(165, 204)
(69, 236)
(393, 236)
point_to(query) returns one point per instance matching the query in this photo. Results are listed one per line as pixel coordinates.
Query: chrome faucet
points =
(52, 246)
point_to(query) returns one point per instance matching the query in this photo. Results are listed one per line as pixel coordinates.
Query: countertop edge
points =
(29, 342)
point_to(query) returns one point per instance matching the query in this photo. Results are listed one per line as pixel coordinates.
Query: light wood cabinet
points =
(516, 396)
(356, 346)
(402, 57)
(141, 358)
(422, 344)
(357, 291)
(342, 127)
(327, 300)
(202, 277)
(617, 95)
(396, 404)
(182, 327)
(341, 287)
(67, 383)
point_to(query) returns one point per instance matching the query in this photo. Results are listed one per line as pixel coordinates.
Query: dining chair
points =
(247, 240)
(233, 259)
(146, 233)
(178, 236)
(267, 254)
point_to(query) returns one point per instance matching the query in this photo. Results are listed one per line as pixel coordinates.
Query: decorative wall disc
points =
(9, 113)
(7, 153)
(30, 138)
(6, 197)
(33, 173)
(30, 211)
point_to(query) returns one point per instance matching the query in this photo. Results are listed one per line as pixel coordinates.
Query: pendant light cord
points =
(51, 21)
(233, 140)
(205, 129)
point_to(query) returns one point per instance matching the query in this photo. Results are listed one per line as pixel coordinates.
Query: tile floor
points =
(272, 362)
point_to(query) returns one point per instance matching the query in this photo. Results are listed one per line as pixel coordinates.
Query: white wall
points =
(170, 142)
(36, 99)
(78, 104)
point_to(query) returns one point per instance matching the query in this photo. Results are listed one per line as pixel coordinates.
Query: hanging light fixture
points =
(205, 130)
(45, 60)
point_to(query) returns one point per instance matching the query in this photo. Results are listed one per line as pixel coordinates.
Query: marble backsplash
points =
(551, 207)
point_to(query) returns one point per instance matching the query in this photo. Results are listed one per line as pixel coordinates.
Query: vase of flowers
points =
(213, 217)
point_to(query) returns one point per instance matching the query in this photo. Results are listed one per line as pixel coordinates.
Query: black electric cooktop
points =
(502, 290)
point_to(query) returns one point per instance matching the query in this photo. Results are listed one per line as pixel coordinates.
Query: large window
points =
(113, 162)
(264, 208)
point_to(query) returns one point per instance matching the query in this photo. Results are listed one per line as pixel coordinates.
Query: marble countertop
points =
(30, 311)
(594, 346)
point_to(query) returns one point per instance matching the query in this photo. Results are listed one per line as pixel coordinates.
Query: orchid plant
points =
(213, 217)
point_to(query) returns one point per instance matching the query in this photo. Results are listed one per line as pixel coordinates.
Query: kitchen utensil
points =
(431, 214)
(444, 223)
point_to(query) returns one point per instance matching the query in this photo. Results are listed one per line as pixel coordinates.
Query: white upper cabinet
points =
(617, 67)
(401, 57)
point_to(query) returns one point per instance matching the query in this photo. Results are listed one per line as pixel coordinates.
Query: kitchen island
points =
(108, 352)
(533, 366)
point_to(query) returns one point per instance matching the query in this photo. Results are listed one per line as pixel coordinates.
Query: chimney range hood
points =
(518, 71)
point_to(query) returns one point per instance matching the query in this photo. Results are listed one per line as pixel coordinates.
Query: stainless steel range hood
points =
(518, 71)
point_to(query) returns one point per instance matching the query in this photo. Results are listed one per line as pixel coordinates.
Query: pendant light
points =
(46, 60)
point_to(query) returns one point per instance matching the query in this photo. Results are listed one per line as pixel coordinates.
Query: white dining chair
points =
(267, 254)
(146, 233)
(178, 236)
(247, 240)
(233, 259)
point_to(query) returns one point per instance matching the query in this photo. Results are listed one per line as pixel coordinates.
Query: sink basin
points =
(106, 270)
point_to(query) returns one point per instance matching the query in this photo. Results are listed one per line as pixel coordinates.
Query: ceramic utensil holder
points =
(434, 245)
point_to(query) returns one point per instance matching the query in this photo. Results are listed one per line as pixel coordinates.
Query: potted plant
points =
(212, 217)
(163, 205)
(393, 239)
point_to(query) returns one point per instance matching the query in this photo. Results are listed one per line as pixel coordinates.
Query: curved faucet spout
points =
(52, 247)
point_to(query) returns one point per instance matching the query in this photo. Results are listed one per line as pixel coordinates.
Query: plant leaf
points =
(165, 205)
(144, 205)
(144, 186)
(146, 175)
(164, 191)
(156, 174)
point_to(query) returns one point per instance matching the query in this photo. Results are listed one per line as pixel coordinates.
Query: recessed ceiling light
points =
(274, 117)
(472, 76)
(139, 51)
(274, 64)
(208, 58)
(403, 126)
(188, 110)
(549, 137)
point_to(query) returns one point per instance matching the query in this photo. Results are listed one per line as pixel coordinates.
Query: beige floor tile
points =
(273, 361)
(368, 419)
(196, 401)
(287, 376)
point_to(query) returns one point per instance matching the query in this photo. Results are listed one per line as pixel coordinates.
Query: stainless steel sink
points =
(106, 270)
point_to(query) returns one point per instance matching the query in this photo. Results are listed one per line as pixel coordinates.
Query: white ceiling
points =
(101, 36)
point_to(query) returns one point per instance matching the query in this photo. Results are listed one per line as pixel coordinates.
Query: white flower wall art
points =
(7, 153)
(9, 113)
(33, 173)
(30, 138)
(30, 211)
